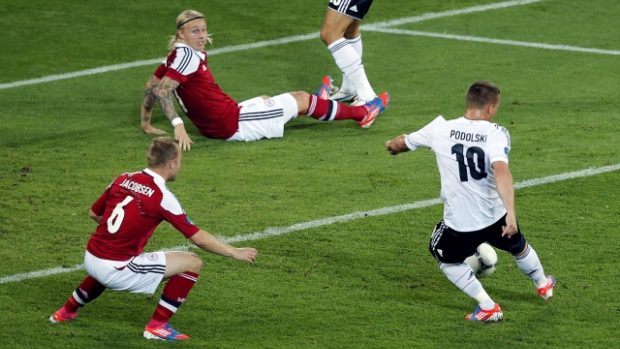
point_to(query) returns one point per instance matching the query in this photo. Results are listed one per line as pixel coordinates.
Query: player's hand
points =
(149, 129)
(389, 146)
(182, 137)
(510, 228)
(245, 254)
(396, 145)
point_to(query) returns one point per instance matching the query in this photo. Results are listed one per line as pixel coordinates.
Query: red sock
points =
(172, 297)
(88, 290)
(328, 110)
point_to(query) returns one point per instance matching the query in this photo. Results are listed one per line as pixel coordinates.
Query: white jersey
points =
(465, 150)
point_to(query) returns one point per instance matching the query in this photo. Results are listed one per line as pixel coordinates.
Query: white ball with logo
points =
(484, 261)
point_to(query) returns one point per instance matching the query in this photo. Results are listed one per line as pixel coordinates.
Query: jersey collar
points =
(156, 177)
(200, 54)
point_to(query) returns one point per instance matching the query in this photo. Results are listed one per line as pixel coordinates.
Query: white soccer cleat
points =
(336, 94)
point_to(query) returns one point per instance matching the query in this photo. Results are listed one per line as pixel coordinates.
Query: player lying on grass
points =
(185, 74)
(478, 195)
(128, 212)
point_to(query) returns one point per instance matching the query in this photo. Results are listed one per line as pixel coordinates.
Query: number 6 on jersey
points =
(116, 218)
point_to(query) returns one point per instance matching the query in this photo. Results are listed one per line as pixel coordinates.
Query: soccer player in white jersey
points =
(478, 195)
(341, 34)
(127, 213)
(186, 75)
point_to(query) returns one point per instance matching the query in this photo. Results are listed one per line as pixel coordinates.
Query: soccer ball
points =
(484, 261)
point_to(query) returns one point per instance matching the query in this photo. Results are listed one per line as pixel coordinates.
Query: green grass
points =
(368, 283)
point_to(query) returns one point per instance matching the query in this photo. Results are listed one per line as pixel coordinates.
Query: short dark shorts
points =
(353, 8)
(450, 246)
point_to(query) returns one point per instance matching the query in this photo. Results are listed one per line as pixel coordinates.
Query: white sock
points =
(347, 85)
(350, 63)
(463, 277)
(530, 265)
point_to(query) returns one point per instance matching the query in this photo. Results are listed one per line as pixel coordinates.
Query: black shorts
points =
(450, 246)
(352, 8)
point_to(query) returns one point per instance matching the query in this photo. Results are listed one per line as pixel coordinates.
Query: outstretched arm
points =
(505, 188)
(209, 243)
(164, 93)
(146, 109)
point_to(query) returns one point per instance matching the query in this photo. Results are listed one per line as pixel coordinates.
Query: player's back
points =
(130, 210)
(465, 150)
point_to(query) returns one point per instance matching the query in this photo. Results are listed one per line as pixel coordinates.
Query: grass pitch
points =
(365, 283)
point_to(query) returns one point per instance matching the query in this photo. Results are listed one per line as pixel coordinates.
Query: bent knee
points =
(194, 263)
(302, 100)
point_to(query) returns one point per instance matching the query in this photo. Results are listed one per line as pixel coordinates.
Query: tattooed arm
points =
(146, 109)
(163, 93)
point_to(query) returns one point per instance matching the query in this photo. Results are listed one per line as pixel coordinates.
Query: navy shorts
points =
(450, 246)
(352, 8)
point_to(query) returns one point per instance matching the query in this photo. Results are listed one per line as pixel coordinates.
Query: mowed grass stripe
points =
(266, 43)
(278, 231)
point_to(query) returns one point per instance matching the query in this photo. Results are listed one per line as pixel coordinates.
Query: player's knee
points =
(329, 35)
(302, 100)
(195, 264)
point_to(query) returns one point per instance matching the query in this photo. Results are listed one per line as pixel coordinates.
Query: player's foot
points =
(164, 333)
(356, 102)
(374, 108)
(546, 291)
(492, 315)
(61, 315)
(338, 95)
(326, 87)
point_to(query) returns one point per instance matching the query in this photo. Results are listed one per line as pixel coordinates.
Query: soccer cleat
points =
(164, 333)
(356, 102)
(61, 315)
(373, 109)
(546, 291)
(338, 95)
(326, 87)
(492, 315)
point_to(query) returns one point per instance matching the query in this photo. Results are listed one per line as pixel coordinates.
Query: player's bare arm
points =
(146, 109)
(505, 189)
(397, 145)
(209, 243)
(164, 92)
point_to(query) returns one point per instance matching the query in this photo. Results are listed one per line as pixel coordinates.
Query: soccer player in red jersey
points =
(186, 75)
(127, 214)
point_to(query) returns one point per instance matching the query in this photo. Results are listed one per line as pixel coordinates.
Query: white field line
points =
(495, 41)
(449, 13)
(278, 231)
(260, 44)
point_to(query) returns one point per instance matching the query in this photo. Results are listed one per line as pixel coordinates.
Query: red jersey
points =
(213, 112)
(131, 208)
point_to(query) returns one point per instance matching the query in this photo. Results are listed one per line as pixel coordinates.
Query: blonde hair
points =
(183, 18)
(161, 150)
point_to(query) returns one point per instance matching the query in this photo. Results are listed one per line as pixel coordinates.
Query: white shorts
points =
(141, 274)
(265, 118)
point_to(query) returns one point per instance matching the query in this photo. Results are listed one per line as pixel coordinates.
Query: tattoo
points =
(148, 102)
(164, 96)
(149, 99)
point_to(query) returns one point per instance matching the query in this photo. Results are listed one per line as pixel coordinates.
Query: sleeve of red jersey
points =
(160, 71)
(99, 206)
(175, 215)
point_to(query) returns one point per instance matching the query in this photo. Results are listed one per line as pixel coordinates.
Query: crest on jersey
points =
(151, 256)
(269, 102)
